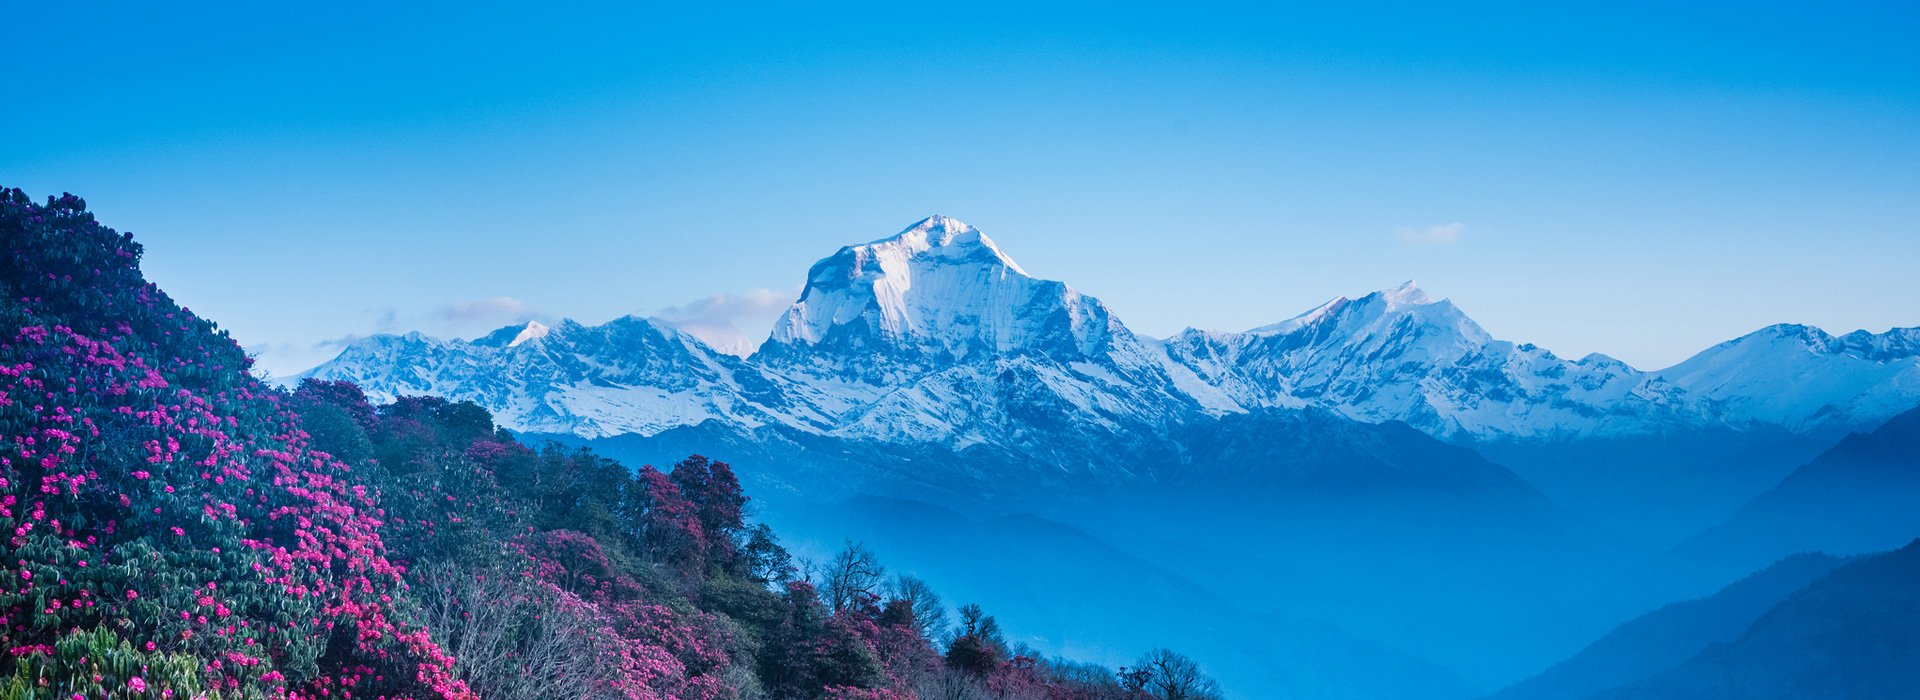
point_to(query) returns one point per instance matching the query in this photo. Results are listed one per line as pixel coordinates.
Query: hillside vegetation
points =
(175, 528)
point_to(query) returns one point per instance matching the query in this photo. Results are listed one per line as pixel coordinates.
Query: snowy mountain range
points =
(1401, 355)
(1806, 380)
(630, 375)
(935, 336)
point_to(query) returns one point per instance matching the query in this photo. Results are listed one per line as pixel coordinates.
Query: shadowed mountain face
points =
(926, 364)
(1848, 635)
(931, 361)
(1658, 490)
(1349, 465)
(1302, 512)
(936, 336)
(1247, 643)
(1668, 637)
(1861, 495)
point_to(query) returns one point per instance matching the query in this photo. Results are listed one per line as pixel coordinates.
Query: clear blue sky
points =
(1641, 180)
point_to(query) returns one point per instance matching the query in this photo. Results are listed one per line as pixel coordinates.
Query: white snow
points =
(940, 285)
(1807, 380)
(935, 335)
(533, 331)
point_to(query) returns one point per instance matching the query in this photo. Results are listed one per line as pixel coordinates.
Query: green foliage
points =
(151, 488)
(175, 529)
(99, 664)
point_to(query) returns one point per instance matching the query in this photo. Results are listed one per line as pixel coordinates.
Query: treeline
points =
(173, 528)
(524, 555)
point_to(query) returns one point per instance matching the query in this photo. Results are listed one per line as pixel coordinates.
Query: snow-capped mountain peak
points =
(950, 238)
(505, 336)
(934, 293)
(1408, 293)
(935, 335)
(1399, 311)
(630, 375)
(1399, 354)
(1806, 379)
(533, 331)
(1314, 315)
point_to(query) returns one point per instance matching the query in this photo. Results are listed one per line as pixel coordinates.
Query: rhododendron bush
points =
(156, 495)
(175, 528)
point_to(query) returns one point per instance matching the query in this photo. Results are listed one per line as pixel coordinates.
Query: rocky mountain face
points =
(1806, 380)
(1400, 355)
(628, 376)
(934, 336)
(1342, 453)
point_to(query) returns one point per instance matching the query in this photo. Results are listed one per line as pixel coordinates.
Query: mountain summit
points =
(631, 375)
(1398, 354)
(934, 294)
(1806, 379)
(934, 335)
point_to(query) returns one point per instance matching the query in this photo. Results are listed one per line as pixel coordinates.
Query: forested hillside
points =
(174, 528)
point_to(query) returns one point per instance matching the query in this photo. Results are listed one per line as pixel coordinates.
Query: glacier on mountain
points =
(1400, 355)
(936, 336)
(1805, 379)
(631, 375)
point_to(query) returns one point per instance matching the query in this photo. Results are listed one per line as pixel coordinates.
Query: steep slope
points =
(1393, 534)
(628, 376)
(929, 362)
(933, 295)
(1659, 489)
(1316, 451)
(1668, 637)
(1008, 563)
(1399, 355)
(180, 530)
(1861, 495)
(1807, 380)
(172, 531)
(934, 335)
(1853, 634)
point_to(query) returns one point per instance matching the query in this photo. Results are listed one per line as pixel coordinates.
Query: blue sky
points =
(1640, 180)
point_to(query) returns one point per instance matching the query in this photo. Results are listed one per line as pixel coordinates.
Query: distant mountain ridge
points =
(1668, 637)
(1805, 379)
(630, 375)
(1848, 634)
(936, 336)
(1400, 355)
(1861, 495)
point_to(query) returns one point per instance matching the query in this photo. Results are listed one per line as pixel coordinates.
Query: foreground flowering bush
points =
(170, 527)
(157, 497)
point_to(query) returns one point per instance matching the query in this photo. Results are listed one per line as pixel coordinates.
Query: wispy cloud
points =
(286, 359)
(497, 310)
(337, 343)
(731, 323)
(459, 319)
(1442, 234)
(723, 320)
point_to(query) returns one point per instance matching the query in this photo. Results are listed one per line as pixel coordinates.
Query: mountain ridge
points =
(934, 334)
